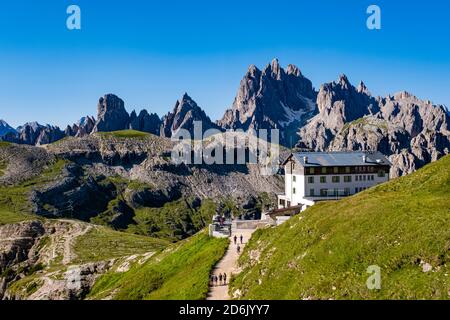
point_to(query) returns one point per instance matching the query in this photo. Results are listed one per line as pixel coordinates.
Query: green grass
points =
(382, 124)
(4, 144)
(14, 203)
(124, 134)
(174, 221)
(324, 253)
(180, 272)
(101, 243)
(8, 217)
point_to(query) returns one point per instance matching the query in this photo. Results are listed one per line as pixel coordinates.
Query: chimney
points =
(305, 159)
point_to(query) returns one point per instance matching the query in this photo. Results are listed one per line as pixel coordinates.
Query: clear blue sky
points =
(151, 52)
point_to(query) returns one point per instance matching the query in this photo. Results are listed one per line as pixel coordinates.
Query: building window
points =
(293, 190)
(323, 192)
(335, 179)
(336, 192)
(364, 177)
(381, 174)
(311, 170)
(347, 178)
(323, 179)
(310, 179)
(347, 191)
(311, 192)
(370, 169)
(282, 202)
(356, 190)
(347, 169)
(324, 170)
(360, 178)
(356, 178)
(336, 169)
(372, 177)
(294, 178)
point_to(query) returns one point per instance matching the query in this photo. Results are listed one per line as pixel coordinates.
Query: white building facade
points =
(319, 176)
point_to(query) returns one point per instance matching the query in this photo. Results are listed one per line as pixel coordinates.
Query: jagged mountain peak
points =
(272, 98)
(293, 70)
(5, 128)
(185, 112)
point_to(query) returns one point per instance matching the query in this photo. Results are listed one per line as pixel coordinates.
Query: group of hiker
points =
(238, 248)
(220, 280)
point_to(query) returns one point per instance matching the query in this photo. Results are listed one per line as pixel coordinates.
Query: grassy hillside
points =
(125, 134)
(179, 272)
(101, 243)
(402, 226)
(14, 204)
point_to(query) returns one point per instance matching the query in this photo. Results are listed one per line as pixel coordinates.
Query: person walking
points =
(242, 239)
(224, 278)
(211, 279)
(220, 278)
(215, 280)
(238, 249)
(235, 239)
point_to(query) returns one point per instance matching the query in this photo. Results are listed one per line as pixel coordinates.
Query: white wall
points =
(303, 187)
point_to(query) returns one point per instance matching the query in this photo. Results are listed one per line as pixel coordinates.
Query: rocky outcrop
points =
(185, 112)
(35, 134)
(412, 132)
(17, 240)
(272, 98)
(145, 122)
(338, 103)
(147, 197)
(28, 248)
(82, 128)
(111, 114)
(72, 195)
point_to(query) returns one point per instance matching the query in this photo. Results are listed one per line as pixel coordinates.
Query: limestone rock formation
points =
(185, 112)
(411, 131)
(35, 134)
(145, 122)
(273, 98)
(111, 114)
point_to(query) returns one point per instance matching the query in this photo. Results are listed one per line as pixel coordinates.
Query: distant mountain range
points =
(339, 116)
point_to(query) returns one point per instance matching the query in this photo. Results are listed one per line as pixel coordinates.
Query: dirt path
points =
(77, 230)
(228, 264)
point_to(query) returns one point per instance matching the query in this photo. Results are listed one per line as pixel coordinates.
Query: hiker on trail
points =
(212, 279)
(238, 249)
(220, 278)
(242, 239)
(224, 278)
(235, 239)
(215, 280)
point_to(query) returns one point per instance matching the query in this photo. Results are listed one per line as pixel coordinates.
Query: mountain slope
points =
(179, 272)
(402, 226)
(5, 128)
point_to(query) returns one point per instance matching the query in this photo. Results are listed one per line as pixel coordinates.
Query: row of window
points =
(323, 170)
(337, 179)
(333, 192)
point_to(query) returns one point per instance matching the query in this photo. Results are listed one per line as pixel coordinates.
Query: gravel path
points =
(228, 264)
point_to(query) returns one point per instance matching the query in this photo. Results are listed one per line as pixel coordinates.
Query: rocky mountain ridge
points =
(415, 131)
